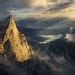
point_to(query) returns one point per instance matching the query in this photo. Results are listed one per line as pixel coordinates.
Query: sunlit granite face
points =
(18, 42)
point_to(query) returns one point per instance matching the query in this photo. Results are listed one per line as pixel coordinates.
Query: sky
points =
(20, 9)
(6, 5)
(18, 3)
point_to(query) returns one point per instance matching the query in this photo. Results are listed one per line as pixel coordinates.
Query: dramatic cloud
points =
(31, 3)
(6, 5)
(40, 3)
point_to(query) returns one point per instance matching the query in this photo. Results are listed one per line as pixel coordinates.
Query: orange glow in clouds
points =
(40, 3)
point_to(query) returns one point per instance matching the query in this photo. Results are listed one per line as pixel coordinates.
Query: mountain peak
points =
(17, 41)
(10, 16)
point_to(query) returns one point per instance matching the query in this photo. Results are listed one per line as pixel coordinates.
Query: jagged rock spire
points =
(18, 43)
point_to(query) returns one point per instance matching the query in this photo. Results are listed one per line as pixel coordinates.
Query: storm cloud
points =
(30, 3)
(6, 5)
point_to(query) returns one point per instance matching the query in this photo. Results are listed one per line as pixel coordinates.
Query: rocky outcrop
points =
(17, 42)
